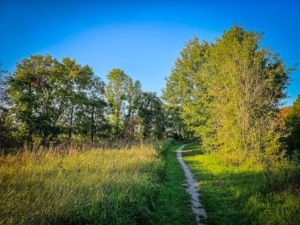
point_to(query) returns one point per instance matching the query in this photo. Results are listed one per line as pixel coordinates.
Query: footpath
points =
(192, 188)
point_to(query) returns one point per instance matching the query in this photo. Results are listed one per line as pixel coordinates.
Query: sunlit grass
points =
(81, 187)
(247, 192)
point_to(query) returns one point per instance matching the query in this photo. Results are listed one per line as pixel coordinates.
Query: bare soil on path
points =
(192, 189)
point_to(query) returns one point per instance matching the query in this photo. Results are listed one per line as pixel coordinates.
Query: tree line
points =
(227, 94)
(56, 101)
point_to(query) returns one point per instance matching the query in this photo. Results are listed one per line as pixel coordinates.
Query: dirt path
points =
(192, 189)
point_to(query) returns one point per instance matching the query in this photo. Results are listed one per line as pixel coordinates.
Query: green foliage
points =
(32, 90)
(293, 125)
(134, 113)
(117, 94)
(131, 116)
(227, 93)
(91, 119)
(64, 101)
(151, 116)
(6, 127)
(185, 91)
(52, 98)
(74, 82)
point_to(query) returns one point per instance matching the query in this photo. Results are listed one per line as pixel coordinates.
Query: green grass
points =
(173, 202)
(243, 193)
(82, 187)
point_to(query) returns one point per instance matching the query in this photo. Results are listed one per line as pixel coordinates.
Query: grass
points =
(68, 185)
(80, 187)
(243, 193)
(173, 202)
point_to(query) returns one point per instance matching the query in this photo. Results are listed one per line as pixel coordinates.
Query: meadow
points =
(95, 186)
(247, 192)
(143, 184)
(114, 184)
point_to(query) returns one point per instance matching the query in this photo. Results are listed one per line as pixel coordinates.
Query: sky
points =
(141, 37)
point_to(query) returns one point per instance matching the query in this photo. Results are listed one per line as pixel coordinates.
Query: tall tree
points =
(247, 83)
(47, 95)
(293, 124)
(75, 82)
(30, 93)
(133, 102)
(92, 118)
(186, 92)
(229, 91)
(5, 122)
(151, 116)
(118, 93)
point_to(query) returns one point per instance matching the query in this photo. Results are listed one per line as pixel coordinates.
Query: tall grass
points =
(246, 191)
(86, 186)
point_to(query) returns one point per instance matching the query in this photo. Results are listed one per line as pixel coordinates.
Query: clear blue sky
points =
(143, 37)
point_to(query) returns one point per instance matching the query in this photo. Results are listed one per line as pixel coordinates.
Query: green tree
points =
(48, 96)
(30, 93)
(186, 94)
(133, 102)
(117, 94)
(247, 83)
(5, 122)
(74, 82)
(4, 98)
(92, 118)
(151, 116)
(293, 124)
(228, 92)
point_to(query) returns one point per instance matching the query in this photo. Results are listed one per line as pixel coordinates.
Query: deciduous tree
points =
(151, 116)
(293, 124)
(228, 92)
(117, 94)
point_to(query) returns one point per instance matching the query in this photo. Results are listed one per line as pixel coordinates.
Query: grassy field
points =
(244, 193)
(140, 185)
(79, 187)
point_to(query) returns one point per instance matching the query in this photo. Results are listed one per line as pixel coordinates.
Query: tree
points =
(247, 83)
(186, 93)
(293, 124)
(229, 91)
(74, 82)
(5, 122)
(118, 93)
(92, 117)
(4, 98)
(48, 96)
(133, 102)
(30, 93)
(151, 116)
